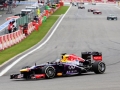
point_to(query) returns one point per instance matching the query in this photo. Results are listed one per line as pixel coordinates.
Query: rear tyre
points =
(49, 71)
(99, 67)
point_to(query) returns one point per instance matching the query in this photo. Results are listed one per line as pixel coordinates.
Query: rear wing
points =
(96, 56)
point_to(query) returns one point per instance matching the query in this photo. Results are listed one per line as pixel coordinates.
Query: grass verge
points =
(34, 38)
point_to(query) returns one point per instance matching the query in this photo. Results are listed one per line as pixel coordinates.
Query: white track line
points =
(19, 59)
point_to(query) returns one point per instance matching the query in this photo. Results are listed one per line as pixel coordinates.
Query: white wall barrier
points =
(30, 28)
(1, 43)
(11, 39)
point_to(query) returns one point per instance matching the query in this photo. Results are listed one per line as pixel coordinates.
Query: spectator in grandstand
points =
(34, 23)
(25, 29)
(36, 18)
(14, 26)
(38, 12)
(10, 26)
(14, 4)
(9, 3)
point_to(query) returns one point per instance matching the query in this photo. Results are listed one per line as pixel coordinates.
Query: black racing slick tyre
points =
(99, 67)
(49, 71)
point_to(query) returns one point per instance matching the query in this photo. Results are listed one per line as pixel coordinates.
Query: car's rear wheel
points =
(49, 71)
(99, 67)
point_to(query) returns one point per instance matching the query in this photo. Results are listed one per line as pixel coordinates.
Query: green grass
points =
(62, 10)
(32, 39)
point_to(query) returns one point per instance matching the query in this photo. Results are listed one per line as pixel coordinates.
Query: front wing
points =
(21, 76)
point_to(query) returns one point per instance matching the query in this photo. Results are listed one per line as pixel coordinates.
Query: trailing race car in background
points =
(91, 10)
(81, 7)
(111, 17)
(68, 65)
(97, 12)
(74, 3)
(93, 3)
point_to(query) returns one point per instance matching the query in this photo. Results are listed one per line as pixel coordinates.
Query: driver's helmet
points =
(65, 58)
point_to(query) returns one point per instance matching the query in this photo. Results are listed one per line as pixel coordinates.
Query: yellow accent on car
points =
(24, 70)
(59, 74)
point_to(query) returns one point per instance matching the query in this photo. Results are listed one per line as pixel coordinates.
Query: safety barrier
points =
(30, 28)
(111, 1)
(87, 1)
(11, 39)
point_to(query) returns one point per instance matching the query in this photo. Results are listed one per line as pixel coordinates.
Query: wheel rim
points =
(101, 67)
(50, 72)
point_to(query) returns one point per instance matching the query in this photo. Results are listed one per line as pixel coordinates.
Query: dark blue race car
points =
(69, 64)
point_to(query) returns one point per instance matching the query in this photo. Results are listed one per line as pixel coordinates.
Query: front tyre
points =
(49, 71)
(99, 67)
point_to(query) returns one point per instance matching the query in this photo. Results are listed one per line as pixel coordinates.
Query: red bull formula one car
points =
(68, 65)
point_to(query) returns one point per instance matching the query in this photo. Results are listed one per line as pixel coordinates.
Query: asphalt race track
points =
(79, 31)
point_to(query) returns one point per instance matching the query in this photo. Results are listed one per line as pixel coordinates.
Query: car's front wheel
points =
(49, 71)
(99, 67)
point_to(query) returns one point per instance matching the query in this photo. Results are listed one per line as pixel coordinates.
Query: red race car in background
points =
(91, 10)
(97, 12)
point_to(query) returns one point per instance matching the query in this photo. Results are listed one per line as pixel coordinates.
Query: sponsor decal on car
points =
(71, 72)
(59, 74)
